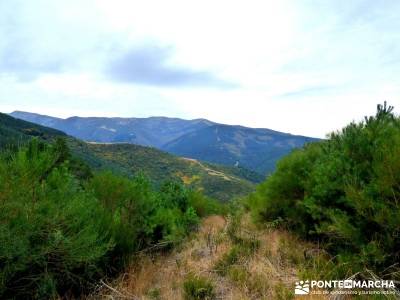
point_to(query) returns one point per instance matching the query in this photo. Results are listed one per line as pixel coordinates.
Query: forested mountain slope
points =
(220, 182)
(253, 148)
(257, 149)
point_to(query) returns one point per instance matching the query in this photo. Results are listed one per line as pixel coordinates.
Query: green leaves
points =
(51, 235)
(60, 232)
(344, 191)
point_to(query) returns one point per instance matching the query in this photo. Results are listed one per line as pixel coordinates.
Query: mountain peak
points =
(257, 149)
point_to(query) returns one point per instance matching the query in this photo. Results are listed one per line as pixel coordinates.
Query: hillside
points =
(213, 180)
(343, 192)
(330, 212)
(15, 131)
(255, 149)
(119, 237)
(219, 182)
(252, 148)
(61, 233)
(220, 261)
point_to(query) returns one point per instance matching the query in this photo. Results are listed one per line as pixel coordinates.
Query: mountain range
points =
(256, 149)
(217, 181)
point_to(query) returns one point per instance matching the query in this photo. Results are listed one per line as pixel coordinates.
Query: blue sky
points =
(305, 67)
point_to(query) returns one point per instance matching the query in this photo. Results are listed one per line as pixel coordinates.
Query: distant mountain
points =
(253, 148)
(220, 182)
(153, 131)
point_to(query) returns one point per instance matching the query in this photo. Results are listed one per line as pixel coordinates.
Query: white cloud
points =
(300, 66)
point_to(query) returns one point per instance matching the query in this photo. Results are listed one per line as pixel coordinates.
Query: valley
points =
(255, 149)
(135, 222)
(219, 182)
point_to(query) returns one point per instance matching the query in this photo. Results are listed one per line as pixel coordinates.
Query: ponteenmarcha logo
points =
(302, 287)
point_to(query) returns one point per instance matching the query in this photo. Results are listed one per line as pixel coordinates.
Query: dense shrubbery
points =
(344, 191)
(61, 227)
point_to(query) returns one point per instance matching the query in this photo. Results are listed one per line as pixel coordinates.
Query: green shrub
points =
(60, 231)
(343, 192)
(204, 205)
(129, 201)
(141, 216)
(198, 288)
(53, 235)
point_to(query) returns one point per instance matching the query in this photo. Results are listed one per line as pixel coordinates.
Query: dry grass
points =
(267, 273)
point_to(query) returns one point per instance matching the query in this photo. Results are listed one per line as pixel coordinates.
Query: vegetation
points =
(59, 231)
(222, 183)
(198, 288)
(344, 193)
(253, 148)
(16, 132)
(256, 149)
(259, 272)
(72, 217)
(219, 182)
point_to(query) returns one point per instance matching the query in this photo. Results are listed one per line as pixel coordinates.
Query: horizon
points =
(294, 67)
(195, 119)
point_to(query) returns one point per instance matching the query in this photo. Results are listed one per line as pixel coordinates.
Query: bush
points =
(198, 288)
(204, 205)
(53, 235)
(60, 231)
(141, 216)
(343, 191)
(129, 203)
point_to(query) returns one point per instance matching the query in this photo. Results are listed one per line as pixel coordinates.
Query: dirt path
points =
(265, 274)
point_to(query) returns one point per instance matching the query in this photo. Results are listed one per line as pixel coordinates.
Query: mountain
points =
(153, 131)
(220, 182)
(15, 131)
(254, 148)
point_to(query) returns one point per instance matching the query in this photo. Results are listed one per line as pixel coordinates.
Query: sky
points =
(303, 66)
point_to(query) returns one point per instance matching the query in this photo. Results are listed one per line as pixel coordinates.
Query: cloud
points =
(18, 60)
(312, 91)
(26, 49)
(48, 37)
(150, 65)
(295, 63)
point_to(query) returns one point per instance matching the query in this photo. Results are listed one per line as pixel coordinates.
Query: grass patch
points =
(237, 253)
(282, 292)
(198, 288)
(291, 251)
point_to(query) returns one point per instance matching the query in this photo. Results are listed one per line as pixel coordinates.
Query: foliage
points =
(218, 182)
(252, 148)
(343, 192)
(243, 246)
(198, 288)
(14, 131)
(51, 232)
(222, 183)
(61, 228)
